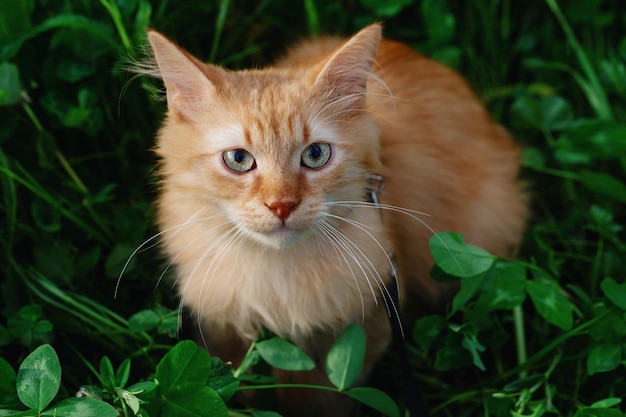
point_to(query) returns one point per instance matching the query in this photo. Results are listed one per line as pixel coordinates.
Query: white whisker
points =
(382, 286)
(142, 247)
(328, 231)
(189, 244)
(407, 212)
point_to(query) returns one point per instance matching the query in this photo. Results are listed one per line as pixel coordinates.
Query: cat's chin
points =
(279, 239)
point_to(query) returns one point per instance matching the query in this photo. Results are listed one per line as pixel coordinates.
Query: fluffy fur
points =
(301, 251)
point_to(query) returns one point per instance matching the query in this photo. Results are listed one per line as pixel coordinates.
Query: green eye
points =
(316, 155)
(239, 160)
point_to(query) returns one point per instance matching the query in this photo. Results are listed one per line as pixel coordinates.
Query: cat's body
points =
(263, 205)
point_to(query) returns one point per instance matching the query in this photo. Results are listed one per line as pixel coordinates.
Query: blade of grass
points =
(31, 184)
(115, 14)
(219, 27)
(596, 94)
(71, 173)
(10, 204)
(312, 18)
(86, 310)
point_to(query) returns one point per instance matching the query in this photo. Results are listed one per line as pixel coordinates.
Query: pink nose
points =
(282, 209)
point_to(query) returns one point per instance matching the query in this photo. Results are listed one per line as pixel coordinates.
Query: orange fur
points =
(297, 250)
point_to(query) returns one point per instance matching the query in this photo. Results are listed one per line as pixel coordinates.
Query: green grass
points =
(77, 186)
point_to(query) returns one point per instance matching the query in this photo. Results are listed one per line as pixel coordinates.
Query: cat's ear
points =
(344, 75)
(189, 83)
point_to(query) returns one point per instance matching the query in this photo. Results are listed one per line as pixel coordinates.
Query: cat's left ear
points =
(189, 83)
(344, 76)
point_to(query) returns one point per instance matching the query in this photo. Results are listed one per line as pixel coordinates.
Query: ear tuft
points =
(186, 84)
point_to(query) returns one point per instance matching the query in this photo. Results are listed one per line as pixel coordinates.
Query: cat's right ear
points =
(187, 83)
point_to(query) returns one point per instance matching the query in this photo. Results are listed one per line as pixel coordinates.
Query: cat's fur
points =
(301, 251)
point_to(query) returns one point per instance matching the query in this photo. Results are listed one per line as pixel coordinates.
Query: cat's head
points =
(269, 149)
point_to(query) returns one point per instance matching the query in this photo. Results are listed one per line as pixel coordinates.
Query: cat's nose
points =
(282, 209)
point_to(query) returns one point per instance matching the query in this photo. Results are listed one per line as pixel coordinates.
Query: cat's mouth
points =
(281, 237)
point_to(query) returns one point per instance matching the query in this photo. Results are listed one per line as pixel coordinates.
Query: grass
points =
(77, 187)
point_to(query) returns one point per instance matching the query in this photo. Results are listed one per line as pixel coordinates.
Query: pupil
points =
(315, 151)
(239, 157)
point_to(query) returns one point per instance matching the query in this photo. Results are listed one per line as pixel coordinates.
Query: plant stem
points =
(245, 363)
(274, 386)
(64, 163)
(556, 343)
(520, 339)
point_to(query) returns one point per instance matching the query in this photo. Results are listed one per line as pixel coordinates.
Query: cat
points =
(263, 207)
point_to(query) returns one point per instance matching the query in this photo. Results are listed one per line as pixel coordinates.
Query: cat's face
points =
(267, 151)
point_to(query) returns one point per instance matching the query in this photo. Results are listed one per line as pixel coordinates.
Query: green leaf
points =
(469, 287)
(222, 380)
(193, 400)
(375, 399)
(83, 407)
(427, 329)
(94, 28)
(606, 402)
(551, 304)
(592, 139)
(599, 412)
(10, 88)
(544, 113)
(556, 113)
(345, 358)
(458, 258)
(386, 8)
(533, 158)
(122, 373)
(525, 383)
(615, 292)
(130, 399)
(282, 354)
(604, 184)
(506, 289)
(440, 23)
(264, 414)
(185, 363)
(107, 375)
(604, 358)
(8, 394)
(474, 347)
(143, 321)
(609, 329)
(39, 378)
(452, 355)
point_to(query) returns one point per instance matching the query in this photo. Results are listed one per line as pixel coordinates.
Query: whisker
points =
(142, 247)
(234, 235)
(382, 288)
(327, 231)
(407, 212)
(191, 242)
(348, 245)
(199, 261)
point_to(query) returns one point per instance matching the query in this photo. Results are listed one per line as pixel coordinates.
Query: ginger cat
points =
(264, 173)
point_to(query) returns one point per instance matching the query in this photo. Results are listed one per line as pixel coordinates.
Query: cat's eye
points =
(239, 160)
(316, 155)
